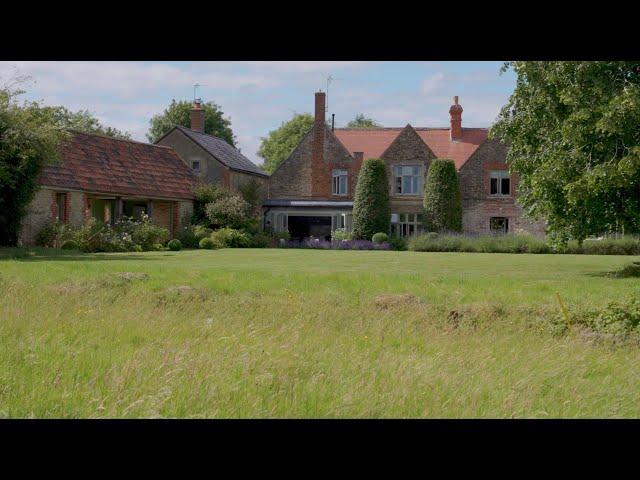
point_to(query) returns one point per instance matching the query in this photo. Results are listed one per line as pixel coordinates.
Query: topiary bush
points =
(209, 243)
(69, 245)
(380, 237)
(442, 203)
(229, 237)
(175, 245)
(371, 208)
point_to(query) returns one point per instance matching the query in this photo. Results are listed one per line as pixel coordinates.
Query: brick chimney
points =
(317, 148)
(456, 120)
(197, 116)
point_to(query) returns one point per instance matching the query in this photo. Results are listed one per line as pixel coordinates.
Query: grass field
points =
(308, 333)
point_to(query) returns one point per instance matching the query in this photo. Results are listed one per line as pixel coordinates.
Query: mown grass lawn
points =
(299, 333)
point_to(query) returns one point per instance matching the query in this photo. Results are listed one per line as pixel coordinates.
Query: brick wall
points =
(478, 206)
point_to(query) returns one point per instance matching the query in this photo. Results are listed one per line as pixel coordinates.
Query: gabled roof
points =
(374, 141)
(101, 164)
(224, 152)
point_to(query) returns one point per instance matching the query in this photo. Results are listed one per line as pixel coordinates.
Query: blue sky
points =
(257, 96)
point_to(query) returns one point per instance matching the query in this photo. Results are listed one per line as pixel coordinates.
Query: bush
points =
(619, 319)
(209, 243)
(175, 245)
(380, 237)
(187, 236)
(442, 203)
(53, 234)
(261, 240)
(123, 236)
(397, 243)
(338, 235)
(317, 243)
(229, 211)
(229, 237)
(203, 195)
(144, 232)
(371, 208)
(623, 245)
(432, 242)
(69, 245)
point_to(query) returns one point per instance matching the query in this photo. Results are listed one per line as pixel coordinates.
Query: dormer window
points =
(500, 183)
(195, 166)
(339, 182)
(407, 179)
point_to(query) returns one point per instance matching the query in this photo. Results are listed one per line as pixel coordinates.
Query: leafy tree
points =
(28, 141)
(179, 113)
(371, 207)
(82, 120)
(278, 145)
(572, 129)
(252, 193)
(360, 121)
(442, 203)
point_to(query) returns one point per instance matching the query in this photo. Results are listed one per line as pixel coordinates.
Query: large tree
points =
(82, 120)
(360, 121)
(278, 145)
(572, 129)
(442, 203)
(371, 207)
(28, 141)
(179, 113)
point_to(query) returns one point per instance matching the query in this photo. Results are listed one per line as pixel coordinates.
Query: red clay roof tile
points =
(102, 164)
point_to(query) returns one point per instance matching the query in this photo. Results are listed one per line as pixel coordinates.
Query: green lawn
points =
(299, 333)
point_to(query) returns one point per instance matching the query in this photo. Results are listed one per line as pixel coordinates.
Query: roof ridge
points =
(374, 129)
(116, 138)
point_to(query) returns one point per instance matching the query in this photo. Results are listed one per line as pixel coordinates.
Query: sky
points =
(258, 96)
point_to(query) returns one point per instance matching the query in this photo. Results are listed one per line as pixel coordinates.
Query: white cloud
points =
(432, 83)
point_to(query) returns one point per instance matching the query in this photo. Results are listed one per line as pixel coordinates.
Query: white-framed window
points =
(281, 222)
(407, 179)
(339, 182)
(195, 166)
(499, 225)
(406, 224)
(341, 220)
(500, 183)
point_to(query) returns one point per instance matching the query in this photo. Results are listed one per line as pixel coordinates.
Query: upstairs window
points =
(407, 180)
(500, 183)
(339, 182)
(195, 166)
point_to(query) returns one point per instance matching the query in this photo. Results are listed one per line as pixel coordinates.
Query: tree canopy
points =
(179, 113)
(572, 129)
(28, 141)
(360, 121)
(82, 120)
(371, 205)
(442, 203)
(278, 145)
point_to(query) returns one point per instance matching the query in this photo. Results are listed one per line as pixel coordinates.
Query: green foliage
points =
(360, 121)
(278, 145)
(252, 193)
(442, 203)
(124, 236)
(231, 238)
(338, 235)
(261, 240)
(397, 243)
(204, 194)
(69, 245)
(28, 141)
(82, 120)
(209, 243)
(572, 129)
(179, 113)
(229, 211)
(619, 320)
(53, 234)
(622, 245)
(380, 237)
(628, 271)
(371, 208)
(431, 242)
(175, 245)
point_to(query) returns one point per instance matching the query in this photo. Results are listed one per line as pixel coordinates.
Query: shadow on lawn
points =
(50, 254)
(631, 270)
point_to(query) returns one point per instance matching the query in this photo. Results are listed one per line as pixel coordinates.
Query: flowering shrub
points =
(229, 211)
(54, 234)
(340, 234)
(125, 235)
(337, 245)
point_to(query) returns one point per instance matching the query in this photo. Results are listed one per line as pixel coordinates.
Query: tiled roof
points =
(97, 163)
(224, 152)
(373, 142)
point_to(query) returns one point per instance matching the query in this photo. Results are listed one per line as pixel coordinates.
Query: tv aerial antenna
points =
(195, 90)
(330, 79)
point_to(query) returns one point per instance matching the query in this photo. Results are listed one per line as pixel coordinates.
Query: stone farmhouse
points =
(106, 178)
(311, 192)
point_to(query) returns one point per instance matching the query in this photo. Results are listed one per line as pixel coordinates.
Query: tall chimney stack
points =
(456, 119)
(317, 148)
(197, 116)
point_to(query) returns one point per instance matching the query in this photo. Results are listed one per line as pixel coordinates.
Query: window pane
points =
(506, 184)
(343, 184)
(398, 184)
(406, 184)
(494, 186)
(416, 170)
(415, 185)
(403, 217)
